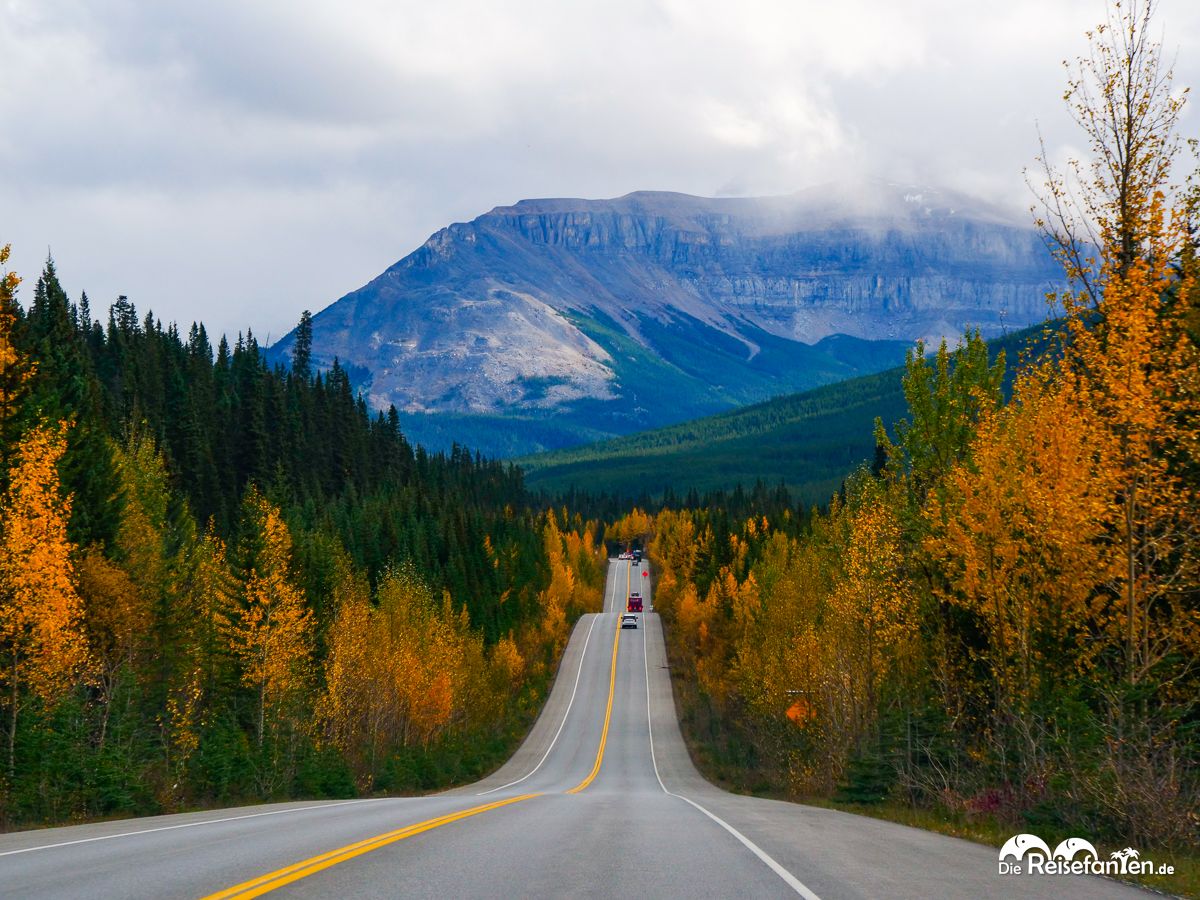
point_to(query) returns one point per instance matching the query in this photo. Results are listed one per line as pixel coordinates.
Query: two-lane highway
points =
(600, 800)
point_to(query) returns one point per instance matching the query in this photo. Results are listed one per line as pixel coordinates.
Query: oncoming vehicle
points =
(629, 620)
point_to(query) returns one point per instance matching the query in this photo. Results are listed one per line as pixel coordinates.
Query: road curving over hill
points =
(600, 800)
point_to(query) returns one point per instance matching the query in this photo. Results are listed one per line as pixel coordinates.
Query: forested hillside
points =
(223, 582)
(807, 442)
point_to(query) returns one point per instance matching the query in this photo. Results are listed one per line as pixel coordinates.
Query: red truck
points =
(635, 602)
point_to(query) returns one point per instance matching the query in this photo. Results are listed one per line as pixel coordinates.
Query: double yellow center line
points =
(277, 879)
(263, 884)
(612, 685)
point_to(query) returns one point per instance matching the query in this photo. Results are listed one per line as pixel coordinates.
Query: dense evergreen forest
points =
(221, 581)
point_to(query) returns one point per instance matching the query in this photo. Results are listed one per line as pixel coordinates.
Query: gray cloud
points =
(238, 162)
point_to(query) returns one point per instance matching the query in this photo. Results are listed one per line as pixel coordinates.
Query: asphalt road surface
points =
(601, 800)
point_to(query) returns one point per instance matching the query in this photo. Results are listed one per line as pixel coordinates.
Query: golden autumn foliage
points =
(1131, 365)
(117, 621)
(41, 618)
(1006, 615)
(401, 671)
(1020, 534)
(269, 628)
(122, 602)
(405, 669)
(873, 596)
(635, 525)
(571, 556)
(508, 663)
(1129, 374)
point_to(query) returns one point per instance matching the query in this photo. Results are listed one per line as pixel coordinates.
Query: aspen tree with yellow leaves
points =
(873, 598)
(117, 620)
(636, 525)
(1129, 365)
(1019, 537)
(573, 588)
(269, 628)
(41, 618)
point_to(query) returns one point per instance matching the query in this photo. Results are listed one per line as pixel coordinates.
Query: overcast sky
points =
(237, 162)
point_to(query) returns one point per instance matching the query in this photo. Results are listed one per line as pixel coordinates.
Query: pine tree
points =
(15, 368)
(302, 348)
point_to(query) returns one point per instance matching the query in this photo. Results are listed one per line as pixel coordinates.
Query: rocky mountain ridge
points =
(565, 307)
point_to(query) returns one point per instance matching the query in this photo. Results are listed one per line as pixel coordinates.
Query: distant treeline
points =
(222, 581)
(777, 502)
(807, 442)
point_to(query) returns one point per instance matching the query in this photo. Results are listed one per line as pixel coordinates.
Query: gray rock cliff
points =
(561, 305)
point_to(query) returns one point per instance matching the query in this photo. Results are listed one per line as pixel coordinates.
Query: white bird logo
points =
(1071, 846)
(1020, 844)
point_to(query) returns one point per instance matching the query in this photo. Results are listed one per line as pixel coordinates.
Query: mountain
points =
(809, 441)
(582, 319)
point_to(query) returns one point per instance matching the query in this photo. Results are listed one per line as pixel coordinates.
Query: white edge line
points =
(561, 725)
(791, 880)
(570, 703)
(274, 812)
(279, 812)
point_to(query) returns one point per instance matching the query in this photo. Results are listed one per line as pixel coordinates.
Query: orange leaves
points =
(1019, 534)
(1130, 367)
(570, 557)
(800, 712)
(41, 622)
(402, 672)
